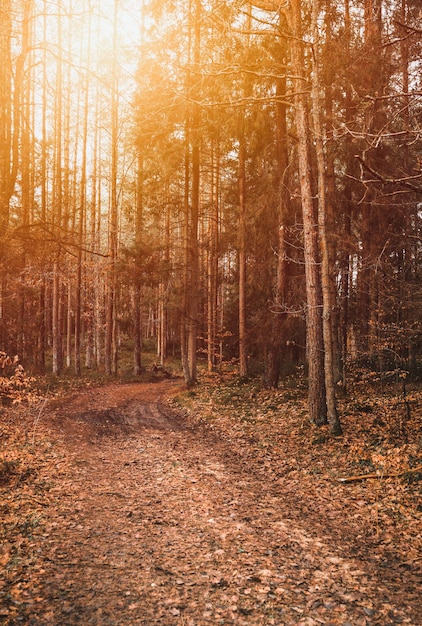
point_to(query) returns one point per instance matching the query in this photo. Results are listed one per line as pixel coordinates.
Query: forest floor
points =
(142, 504)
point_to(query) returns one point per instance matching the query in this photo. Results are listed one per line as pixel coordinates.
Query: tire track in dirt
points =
(152, 522)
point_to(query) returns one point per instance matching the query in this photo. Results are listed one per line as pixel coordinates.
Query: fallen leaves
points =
(231, 515)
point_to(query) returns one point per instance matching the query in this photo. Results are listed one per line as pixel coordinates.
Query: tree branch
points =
(358, 478)
(391, 181)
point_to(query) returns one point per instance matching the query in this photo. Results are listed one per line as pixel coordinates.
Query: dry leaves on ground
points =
(119, 509)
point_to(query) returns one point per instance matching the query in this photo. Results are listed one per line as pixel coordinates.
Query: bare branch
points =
(413, 29)
(395, 181)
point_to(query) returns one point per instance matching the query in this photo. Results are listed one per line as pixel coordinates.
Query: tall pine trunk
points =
(56, 313)
(110, 342)
(326, 269)
(137, 288)
(213, 255)
(82, 212)
(243, 362)
(194, 221)
(314, 336)
(189, 325)
(278, 338)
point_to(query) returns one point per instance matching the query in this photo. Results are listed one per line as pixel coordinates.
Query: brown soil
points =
(151, 518)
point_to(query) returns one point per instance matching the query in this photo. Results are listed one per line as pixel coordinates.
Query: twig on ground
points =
(352, 479)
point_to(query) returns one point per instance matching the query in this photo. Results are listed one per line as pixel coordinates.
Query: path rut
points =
(151, 521)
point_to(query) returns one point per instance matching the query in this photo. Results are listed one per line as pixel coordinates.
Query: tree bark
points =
(189, 326)
(137, 287)
(110, 344)
(315, 346)
(326, 270)
(213, 255)
(243, 360)
(278, 338)
(56, 325)
(194, 220)
(82, 211)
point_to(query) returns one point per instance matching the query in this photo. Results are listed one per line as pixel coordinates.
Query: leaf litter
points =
(148, 504)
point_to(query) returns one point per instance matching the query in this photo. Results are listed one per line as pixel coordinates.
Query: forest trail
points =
(152, 520)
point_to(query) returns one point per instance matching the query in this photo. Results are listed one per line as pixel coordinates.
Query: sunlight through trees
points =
(238, 182)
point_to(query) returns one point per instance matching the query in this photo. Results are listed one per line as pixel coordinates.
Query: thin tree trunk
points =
(6, 116)
(57, 206)
(346, 259)
(278, 337)
(42, 317)
(82, 212)
(139, 218)
(82, 209)
(69, 320)
(164, 286)
(213, 256)
(186, 275)
(326, 270)
(92, 353)
(137, 288)
(27, 159)
(243, 360)
(10, 112)
(194, 218)
(189, 323)
(329, 154)
(6, 130)
(110, 335)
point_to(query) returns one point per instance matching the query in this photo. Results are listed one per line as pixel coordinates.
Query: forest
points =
(233, 183)
(210, 269)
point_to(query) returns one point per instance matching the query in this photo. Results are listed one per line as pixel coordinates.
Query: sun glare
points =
(91, 35)
(89, 49)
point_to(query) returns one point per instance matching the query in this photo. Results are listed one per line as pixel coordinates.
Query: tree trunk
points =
(186, 286)
(213, 255)
(243, 359)
(189, 325)
(137, 288)
(26, 164)
(11, 80)
(326, 269)
(329, 155)
(57, 206)
(6, 118)
(42, 316)
(278, 337)
(193, 238)
(315, 346)
(110, 344)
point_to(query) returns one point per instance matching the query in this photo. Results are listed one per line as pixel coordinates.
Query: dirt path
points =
(151, 521)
